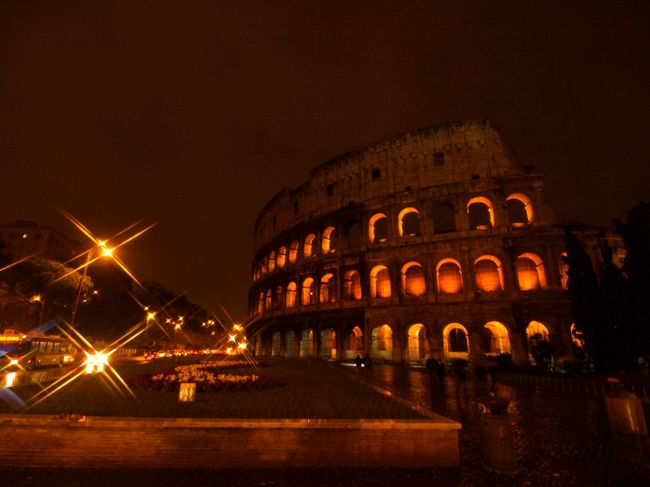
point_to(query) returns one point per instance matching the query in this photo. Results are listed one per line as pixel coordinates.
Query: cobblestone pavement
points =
(561, 439)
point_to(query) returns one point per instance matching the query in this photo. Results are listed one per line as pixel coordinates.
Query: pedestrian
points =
(357, 361)
(366, 360)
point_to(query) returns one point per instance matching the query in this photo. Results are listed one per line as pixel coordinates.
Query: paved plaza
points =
(560, 439)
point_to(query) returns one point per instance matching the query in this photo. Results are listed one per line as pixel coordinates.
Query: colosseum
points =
(433, 243)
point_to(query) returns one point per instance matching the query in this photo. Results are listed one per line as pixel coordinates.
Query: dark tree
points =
(636, 235)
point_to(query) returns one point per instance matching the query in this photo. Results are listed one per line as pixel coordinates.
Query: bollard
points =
(625, 413)
(187, 392)
(497, 443)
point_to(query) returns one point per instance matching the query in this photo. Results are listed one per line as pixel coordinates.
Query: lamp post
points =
(105, 252)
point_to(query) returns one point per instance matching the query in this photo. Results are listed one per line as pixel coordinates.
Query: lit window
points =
(413, 282)
(308, 247)
(380, 282)
(489, 276)
(409, 222)
(378, 228)
(481, 213)
(329, 240)
(450, 279)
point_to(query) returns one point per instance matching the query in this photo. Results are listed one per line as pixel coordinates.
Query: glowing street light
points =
(95, 362)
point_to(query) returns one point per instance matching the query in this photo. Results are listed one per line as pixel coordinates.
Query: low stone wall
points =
(98, 442)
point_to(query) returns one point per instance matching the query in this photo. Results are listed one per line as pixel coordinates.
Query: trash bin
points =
(625, 413)
(497, 443)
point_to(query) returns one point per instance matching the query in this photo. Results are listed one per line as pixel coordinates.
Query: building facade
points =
(23, 239)
(434, 243)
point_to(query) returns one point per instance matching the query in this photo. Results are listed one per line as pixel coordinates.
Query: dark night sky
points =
(195, 113)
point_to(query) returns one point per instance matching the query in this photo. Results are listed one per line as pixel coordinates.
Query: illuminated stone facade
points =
(431, 243)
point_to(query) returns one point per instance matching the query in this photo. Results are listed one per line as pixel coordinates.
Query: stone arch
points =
(354, 343)
(408, 222)
(272, 261)
(455, 341)
(282, 257)
(308, 246)
(352, 285)
(537, 333)
(328, 344)
(328, 288)
(489, 273)
(495, 338)
(268, 300)
(290, 298)
(378, 228)
(293, 251)
(520, 209)
(306, 343)
(329, 240)
(276, 344)
(380, 282)
(564, 270)
(290, 344)
(260, 302)
(418, 346)
(382, 343)
(444, 218)
(308, 292)
(481, 213)
(265, 265)
(530, 272)
(449, 276)
(413, 281)
(278, 299)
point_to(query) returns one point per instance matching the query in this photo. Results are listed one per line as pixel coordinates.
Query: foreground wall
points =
(92, 442)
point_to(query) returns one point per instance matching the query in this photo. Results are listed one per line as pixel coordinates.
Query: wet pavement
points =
(559, 439)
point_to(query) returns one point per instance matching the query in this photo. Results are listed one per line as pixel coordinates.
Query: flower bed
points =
(208, 377)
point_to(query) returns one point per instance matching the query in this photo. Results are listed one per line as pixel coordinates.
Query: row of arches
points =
(488, 274)
(479, 209)
(494, 339)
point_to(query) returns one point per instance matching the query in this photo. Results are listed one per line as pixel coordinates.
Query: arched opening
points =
(328, 289)
(520, 209)
(306, 343)
(576, 337)
(449, 276)
(329, 240)
(408, 222)
(418, 346)
(282, 257)
(279, 297)
(272, 261)
(265, 265)
(352, 285)
(260, 302)
(268, 302)
(540, 349)
(293, 251)
(489, 275)
(291, 295)
(308, 292)
(290, 344)
(382, 343)
(276, 344)
(308, 247)
(481, 213)
(378, 228)
(530, 272)
(455, 342)
(354, 343)
(495, 339)
(328, 344)
(564, 270)
(380, 282)
(444, 218)
(413, 283)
